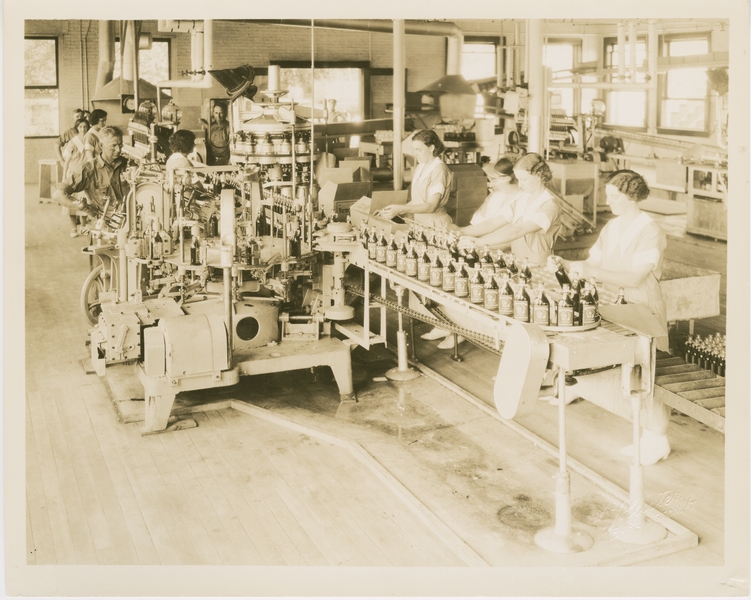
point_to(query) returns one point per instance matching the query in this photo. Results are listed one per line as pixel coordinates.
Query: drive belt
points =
(441, 321)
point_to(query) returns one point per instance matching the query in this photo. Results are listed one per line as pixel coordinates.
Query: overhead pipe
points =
(399, 100)
(536, 82)
(632, 49)
(127, 52)
(204, 61)
(106, 54)
(652, 64)
(517, 55)
(603, 85)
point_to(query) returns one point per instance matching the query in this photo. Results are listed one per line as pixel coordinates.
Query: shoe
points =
(74, 232)
(652, 448)
(572, 394)
(448, 343)
(547, 394)
(435, 334)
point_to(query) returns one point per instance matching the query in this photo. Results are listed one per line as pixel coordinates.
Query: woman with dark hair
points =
(181, 144)
(504, 190)
(628, 254)
(97, 121)
(431, 184)
(74, 156)
(530, 223)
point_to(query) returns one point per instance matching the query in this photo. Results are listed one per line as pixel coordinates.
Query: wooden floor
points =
(100, 493)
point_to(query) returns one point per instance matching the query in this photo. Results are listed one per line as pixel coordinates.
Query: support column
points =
(536, 79)
(652, 92)
(399, 102)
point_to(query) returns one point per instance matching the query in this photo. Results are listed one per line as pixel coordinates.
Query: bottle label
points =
(521, 310)
(477, 293)
(565, 316)
(448, 282)
(390, 258)
(381, 254)
(589, 315)
(401, 262)
(436, 276)
(506, 305)
(491, 299)
(541, 315)
(423, 272)
(412, 267)
(371, 250)
(461, 287)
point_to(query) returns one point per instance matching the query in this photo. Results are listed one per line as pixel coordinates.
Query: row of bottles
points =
(247, 142)
(707, 352)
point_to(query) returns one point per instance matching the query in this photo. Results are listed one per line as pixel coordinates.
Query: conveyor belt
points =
(691, 390)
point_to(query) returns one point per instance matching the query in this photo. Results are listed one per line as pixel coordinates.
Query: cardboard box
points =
(342, 174)
(365, 207)
(332, 196)
(355, 163)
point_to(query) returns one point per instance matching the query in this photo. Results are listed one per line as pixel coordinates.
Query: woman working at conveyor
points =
(628, 254)
(431, 184)
(530, 223)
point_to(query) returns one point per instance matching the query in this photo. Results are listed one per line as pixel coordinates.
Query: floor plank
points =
(42, 549)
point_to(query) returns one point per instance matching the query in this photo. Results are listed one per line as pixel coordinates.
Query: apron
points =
(535, 246)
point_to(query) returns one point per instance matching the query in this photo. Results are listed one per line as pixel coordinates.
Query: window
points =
(559, 58)
(479, 58)
(625, 107)
(341, 87)
(153, 64)
(684, 91)
(41, 95)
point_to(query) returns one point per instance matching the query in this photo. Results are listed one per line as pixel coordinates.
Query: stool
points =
(48, 168)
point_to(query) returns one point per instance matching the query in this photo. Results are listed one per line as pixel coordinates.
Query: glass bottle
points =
(472, 258)
(477, 286)
(506, 296)
(436, 272)
(560, 273)
(372, 244)
(461, 280)
(381, 246)
(449, 274)
(541, 307)
(521, 303)
(490, 295)
(588, 306)
(411, 262)
(423, 267)
(566, 308)
(401, 257)
(391, 251)
(525, 274)
(194, 248)
(621, 299)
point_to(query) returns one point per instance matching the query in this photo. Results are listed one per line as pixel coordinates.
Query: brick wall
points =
(235, 44)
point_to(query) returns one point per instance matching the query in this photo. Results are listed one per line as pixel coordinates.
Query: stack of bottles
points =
(493, 280)
(707, 352)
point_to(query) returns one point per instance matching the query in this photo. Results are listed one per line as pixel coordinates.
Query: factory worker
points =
(503, 190)
(68, 135)
(530, 224)
(99, 179)
(73, 158)
(628, 254)
(431, 184)
(97, 120)
(217, 140)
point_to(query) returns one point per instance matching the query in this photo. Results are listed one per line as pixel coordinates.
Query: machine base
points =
(648, 533)
(396, 375)
(576, 541)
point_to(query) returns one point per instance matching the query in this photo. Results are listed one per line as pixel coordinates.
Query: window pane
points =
(41, 112)
(683, 114)
(687, 83)
(560, 58)
(40, 62)
(153, 64)
(688, 47)
(626, 108)
(478, 61)
(342, 85)
(641, 59)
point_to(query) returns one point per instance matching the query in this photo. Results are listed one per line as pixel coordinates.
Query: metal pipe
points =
(632, 49)
(206, 64)
(652, 42)
(536, 79)
(602, 85)
(134, 50)
(106, 53)
(399, 101)
(517, 55)
(621, 50)
(127, 66)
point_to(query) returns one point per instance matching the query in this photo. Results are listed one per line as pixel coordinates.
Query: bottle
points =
(295, 245)
(461, 280)
(521, 304)
(566, 308)
(560, 273)
(194, 248)
(401, 257)
(477, 286)
(436, 272)
(156, 242)
(212, 229)
(576, 299)
(593, 286)
(472, 258)
(411, 233)
(490, 296)
(541, 307)
(577, 283)
(588, 307)
(423, 267)
(421, 242)
(411, 263)
(372, 243)
(500, 263)
(485, 257)
(621, 299)
(449, 274)
(511, 265)
(364, 234)
(506, 297)
(261, 223)
(381, 246)
(525, 274)
(391, 251)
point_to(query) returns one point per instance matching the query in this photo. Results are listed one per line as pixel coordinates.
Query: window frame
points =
(495, 40)
(363, 65)
(56, 39)
(662, 84)
(169, 58)
(576, 44)
(607, 63)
